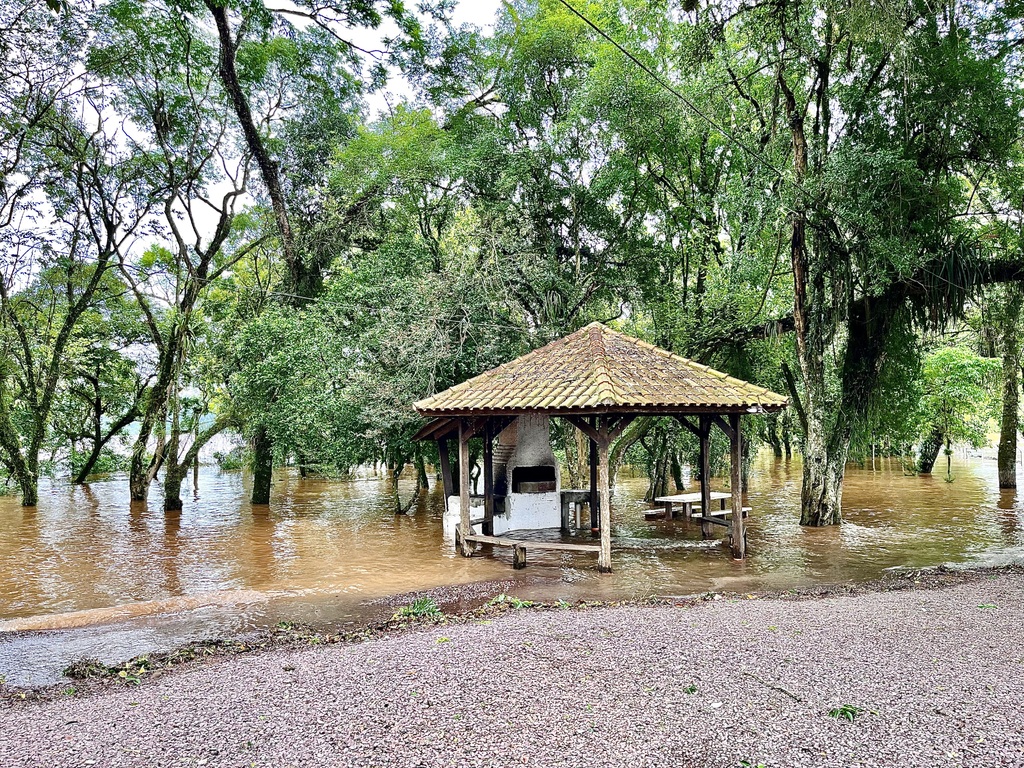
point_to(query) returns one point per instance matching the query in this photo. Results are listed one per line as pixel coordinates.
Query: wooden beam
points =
(446, 469)
(465, 526)
(437, 429)
(488, 527)
(705, 472)
(739, 544)
(595, 500)
(727, 429)
(604, 559)
(553, 546)
(619, 427)
(687, 424)
(584, 426)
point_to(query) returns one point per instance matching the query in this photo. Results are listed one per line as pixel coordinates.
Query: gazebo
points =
(598, 380)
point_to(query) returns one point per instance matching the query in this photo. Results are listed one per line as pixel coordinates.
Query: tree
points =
(1007, 322)
(957, 397)
(71, 203)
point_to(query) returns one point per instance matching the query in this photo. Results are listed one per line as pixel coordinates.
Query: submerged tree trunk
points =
(1009, 424)
(772, 430)
(930, 447)
(262, 466)
(421, 470)
(787, 435)
(141, 473)
(826, 448)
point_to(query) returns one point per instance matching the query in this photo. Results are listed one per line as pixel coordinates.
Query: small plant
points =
(988, 605)
(444, 640)
(512, 601)
(691, 689)
(751, 764)
(846, 712)
(421, 607)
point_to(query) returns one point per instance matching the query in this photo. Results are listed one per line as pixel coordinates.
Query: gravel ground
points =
(938, 673)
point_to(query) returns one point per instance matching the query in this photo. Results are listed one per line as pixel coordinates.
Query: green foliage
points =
(421, 607)
(511, 601)
(846, 712)
(958, 393)
(234, 459)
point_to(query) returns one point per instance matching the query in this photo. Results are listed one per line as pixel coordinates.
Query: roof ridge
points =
(605, 387)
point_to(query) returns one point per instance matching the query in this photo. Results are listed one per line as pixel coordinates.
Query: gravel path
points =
(938, 673)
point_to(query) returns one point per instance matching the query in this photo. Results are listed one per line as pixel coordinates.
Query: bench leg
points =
(688, 510)
(518, 556)
(565, 515)
(668, 510)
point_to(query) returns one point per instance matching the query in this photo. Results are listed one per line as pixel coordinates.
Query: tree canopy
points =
(205, 227)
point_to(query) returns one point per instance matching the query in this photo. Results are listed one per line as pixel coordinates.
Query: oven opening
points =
(533, 479)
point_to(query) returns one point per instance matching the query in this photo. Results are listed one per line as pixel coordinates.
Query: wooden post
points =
(488, 527)
(738, 535)
(565, 513)
(604, 559)
(595, 501)
(705, 476)
(446, 469)
(464, 527)
(518, 556)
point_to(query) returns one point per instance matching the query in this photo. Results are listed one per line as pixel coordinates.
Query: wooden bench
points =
(519, 546)
(721, 517)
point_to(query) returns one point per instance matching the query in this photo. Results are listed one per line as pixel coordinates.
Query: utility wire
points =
(683, 98)
(689, 103)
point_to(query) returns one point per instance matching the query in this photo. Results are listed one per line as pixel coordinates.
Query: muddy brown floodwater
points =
(87, 574)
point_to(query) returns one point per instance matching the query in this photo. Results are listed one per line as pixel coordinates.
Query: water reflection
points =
(323, 548)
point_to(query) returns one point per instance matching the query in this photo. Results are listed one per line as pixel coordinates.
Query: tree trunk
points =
(421, 470)
(172, 487)
(262, 466)
(930, 447)
(29, 483)
(1009, 424)
(175, 472)
(826, 447)
(772, 424)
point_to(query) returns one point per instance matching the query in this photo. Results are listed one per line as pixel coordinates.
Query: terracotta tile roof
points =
(596, 370)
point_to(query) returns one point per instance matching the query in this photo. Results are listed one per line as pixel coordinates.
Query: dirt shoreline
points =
(459, 604)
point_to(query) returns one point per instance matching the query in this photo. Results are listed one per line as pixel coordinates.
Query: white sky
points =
(478, 13)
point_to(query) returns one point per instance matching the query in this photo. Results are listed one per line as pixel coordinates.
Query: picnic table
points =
(707, 517)
(688, 500)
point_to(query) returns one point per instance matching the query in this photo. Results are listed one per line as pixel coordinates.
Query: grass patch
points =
(421, 607)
